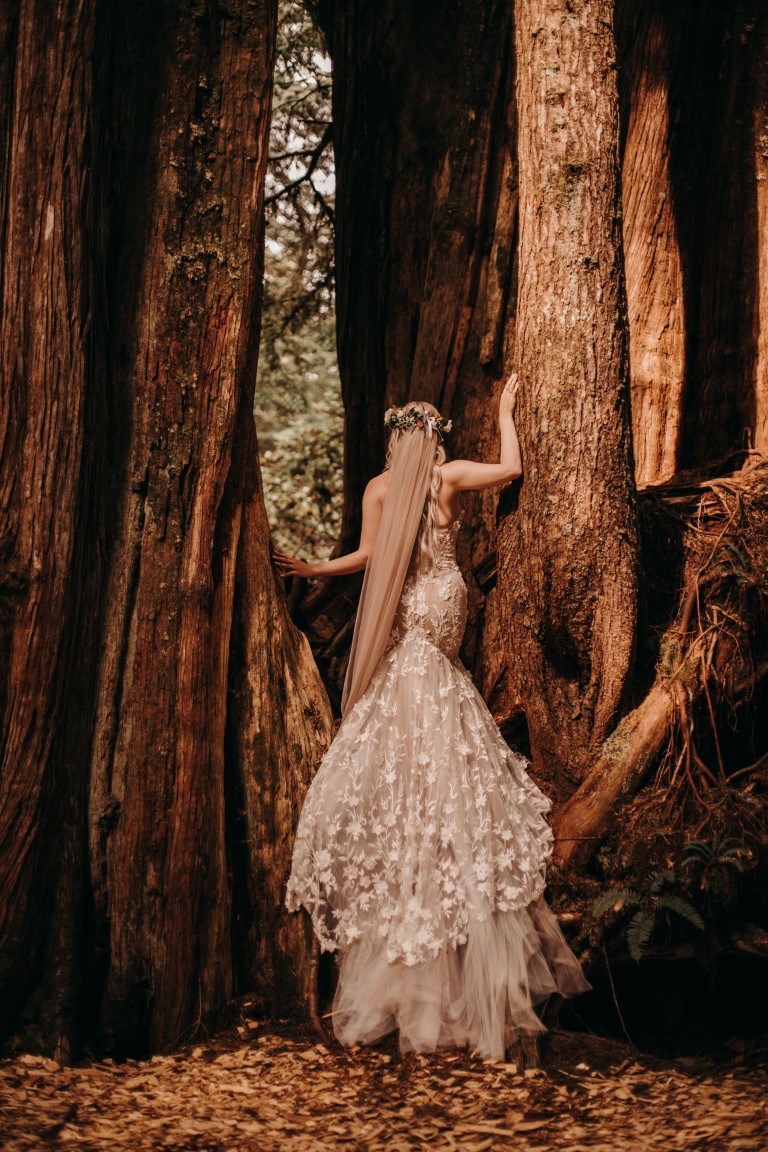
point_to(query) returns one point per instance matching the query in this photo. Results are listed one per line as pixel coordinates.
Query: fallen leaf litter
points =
(271, 1088)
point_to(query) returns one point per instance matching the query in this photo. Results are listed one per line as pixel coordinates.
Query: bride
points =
(422, 844)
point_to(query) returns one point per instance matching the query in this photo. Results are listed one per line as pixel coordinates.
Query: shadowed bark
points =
(426, 228)
(49, 558)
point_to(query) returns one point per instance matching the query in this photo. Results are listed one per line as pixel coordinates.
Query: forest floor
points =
(266, 1086)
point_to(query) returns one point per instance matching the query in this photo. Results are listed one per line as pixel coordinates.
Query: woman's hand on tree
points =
(292, 565)
(508, 399)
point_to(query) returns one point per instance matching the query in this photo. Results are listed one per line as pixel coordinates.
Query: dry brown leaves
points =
(275, 1089)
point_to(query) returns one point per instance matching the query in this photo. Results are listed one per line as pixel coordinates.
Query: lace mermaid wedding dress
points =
(422, 845)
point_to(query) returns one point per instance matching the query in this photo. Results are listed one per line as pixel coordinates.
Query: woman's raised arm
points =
(465, 475)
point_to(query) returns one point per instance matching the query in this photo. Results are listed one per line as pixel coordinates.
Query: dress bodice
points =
(433, 604)
(445, 545)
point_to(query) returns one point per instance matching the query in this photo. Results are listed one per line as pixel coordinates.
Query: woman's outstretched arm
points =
(463, 475)
(356, 561)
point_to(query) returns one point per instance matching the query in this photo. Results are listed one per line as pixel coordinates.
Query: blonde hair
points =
(424, 549)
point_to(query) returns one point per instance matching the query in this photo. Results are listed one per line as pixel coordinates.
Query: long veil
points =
(410, 475)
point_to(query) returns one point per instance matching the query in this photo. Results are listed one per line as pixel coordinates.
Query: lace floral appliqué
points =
(420, 819)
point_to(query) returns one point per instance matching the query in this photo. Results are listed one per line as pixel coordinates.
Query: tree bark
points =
(690, 80)
(279, 725)
(144, 749)
(185, 357)
(49, 563)
(568, 556)
(161, 718)
(651, 44)
(716, 194)
(759, 149)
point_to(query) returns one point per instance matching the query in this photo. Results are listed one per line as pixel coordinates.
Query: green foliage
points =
(713, 866)
(614, 901)
(652, 900)
(299, 414)
(639, 931)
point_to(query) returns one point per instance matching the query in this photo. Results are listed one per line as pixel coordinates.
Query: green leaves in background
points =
(299, 412)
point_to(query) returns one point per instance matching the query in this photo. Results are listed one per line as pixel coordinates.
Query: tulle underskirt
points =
(477, 995)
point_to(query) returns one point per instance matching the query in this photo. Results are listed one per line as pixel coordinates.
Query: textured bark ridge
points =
(187, 357)
(141, 616)
(651, 49)
(49, 559)
(570, 607)
(279, 724)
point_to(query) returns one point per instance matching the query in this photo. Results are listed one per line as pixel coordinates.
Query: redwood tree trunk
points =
(759, 149)
(135, 547)
(186, 359)
(49, 559)
(652, 45)
(716, 190)
(568, 555)
(279, 724)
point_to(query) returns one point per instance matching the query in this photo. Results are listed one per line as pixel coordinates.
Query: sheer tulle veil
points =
(410, 478)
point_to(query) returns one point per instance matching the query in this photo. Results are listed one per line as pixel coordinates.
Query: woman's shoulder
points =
(376, 489)
(450, 470)
(378, 483)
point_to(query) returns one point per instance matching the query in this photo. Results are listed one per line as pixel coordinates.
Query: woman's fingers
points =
(508, 398)
(289, 565)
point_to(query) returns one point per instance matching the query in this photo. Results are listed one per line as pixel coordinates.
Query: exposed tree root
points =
(627, 755)
(749, 938)
(313, 995)
(706, 659)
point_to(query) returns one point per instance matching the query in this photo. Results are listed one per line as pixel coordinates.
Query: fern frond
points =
(678, 904)
(639, 933)
(696, 850)
(613, 901)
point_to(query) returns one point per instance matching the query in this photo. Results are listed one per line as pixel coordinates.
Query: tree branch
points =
(315, 154)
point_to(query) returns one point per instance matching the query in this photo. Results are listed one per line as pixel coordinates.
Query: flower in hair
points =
(403, 418)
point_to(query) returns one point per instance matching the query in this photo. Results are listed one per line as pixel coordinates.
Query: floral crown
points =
(402, 418)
